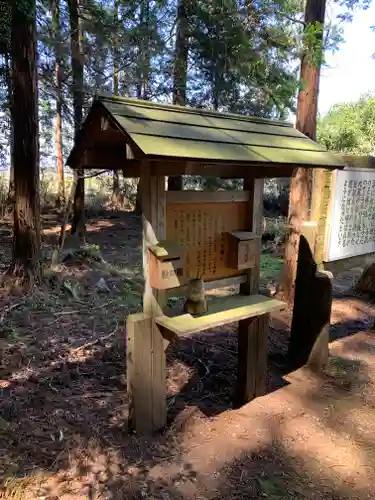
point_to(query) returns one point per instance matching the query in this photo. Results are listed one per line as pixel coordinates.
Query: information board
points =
(199, 228)
(352, 221)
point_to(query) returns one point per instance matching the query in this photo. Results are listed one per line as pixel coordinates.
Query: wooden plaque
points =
(243, 250)
(166, 263)
(351, 215)
(200, 228)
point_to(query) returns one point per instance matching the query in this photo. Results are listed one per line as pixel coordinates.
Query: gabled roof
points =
(158, 131)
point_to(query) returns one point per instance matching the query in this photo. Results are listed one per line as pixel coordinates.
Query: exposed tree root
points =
(366, 283)
(19, 278)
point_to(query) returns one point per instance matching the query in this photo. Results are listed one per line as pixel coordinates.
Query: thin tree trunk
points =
(8, 76)
(175, 183)
(76, 37)
(181, 54)
(116, 192)
(301, 185)
(146, 51)
(24, 109)
(143, 74)
(60, 200)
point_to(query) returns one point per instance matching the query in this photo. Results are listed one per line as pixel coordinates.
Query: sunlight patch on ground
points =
(345, 309)
(55, 229)
(99, 226)
(327, 454)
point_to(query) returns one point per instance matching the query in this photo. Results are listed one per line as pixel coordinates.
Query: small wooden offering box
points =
(243, 250)
(166, 261)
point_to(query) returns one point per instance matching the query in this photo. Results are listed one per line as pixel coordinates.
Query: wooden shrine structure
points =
(186, 234)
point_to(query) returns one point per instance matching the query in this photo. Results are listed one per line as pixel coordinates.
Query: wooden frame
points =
(327, 229)
(149, 332)
(207, 196)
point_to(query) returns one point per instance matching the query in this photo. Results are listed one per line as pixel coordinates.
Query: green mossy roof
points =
(160, 130)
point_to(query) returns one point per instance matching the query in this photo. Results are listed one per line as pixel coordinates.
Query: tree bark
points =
(301, 184)
(175, 183)
(181, 54)
(146, 50)
(24, 112)
(116, 192)
(76, 39)
(11, 189)
(60, 200)
(143, 75)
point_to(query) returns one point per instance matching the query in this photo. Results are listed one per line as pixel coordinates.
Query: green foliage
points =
(243, 57)
(200, 183)
(270, 266)
(273, 487)
(349, 128)
(5, 24)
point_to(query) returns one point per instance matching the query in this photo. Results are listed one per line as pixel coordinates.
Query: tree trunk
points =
(76, 39)
(181, 54)
(146, 50)
(143, 74)
(175, 183)
(24, 112)
(143, 63)
(301, 184)
(116, 191)
(8, 76)
(60, 200)
(138, 199)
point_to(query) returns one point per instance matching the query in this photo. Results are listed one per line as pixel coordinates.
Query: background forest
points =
(229, 55)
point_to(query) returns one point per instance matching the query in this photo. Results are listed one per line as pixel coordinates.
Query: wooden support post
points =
(255, 216)
(321, 208)
(145, 374)
(252, 333)
(153, 230)
(312, 307)
(146, 364)
(252, 359)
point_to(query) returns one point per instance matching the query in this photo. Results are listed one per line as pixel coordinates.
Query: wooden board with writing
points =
(200, 228)
(351, 229)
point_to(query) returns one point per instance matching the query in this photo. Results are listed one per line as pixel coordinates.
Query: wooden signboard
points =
(201, 227)
(351, 226)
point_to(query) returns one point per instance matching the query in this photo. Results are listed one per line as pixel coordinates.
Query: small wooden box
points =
(243, 250)
(166, 265)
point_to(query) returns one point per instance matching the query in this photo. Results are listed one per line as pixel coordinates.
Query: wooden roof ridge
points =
(193, 111)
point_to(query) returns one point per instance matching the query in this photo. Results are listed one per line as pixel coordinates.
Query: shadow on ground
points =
(315, 440)
(63, 406)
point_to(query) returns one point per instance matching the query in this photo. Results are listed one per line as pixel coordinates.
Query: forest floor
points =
(63, 407)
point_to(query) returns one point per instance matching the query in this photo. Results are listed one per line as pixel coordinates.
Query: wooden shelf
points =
(221, 311)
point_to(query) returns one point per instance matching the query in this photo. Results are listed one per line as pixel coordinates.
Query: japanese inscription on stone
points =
(352, 227)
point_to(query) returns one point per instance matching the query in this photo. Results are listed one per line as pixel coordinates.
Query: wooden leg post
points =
(145, 375)
(252, 332)
(252, 359)
(146, 346)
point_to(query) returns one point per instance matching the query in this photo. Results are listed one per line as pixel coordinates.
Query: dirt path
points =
(63, 407)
